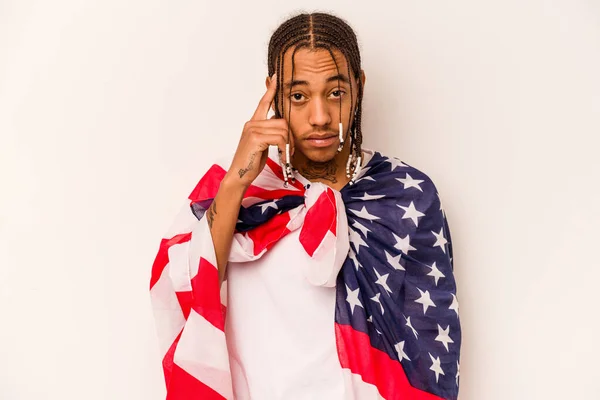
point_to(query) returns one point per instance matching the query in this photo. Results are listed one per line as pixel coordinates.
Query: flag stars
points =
(353, 299)
(400, 350)
(395, 163)
(444, 336)
(264, 207)
(411, 212)
(363, 213)
(409, 324)
(382, 280)
(440, 240)
(357, 240)
(361, 227)
(436, 367)
(425, 299)
(436, 273)
(409, 182)
(454, 305)
(352, 256)
(376, 300)
(403, 244)
(367, 197)
(394, 261)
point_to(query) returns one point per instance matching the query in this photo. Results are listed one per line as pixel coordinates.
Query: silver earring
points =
(288, 170)
(341, 133)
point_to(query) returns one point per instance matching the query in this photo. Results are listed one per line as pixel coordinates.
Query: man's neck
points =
(331, 173)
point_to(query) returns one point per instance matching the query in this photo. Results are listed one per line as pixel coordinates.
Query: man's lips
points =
(321, 136)
(321, 140)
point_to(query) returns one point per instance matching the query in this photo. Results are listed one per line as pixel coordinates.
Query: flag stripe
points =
(207, 295)
(375, 366)
(184, 386)
(320, 218)
(392, 216)
(162, 258)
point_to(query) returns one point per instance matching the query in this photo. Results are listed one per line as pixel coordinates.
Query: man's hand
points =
(259, 133)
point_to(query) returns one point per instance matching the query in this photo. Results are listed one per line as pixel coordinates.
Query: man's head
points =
(320, 83)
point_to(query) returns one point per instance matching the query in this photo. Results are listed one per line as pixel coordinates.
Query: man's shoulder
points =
(398, 169)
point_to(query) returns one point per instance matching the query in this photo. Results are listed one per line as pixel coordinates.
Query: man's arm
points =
(221, 217)
(249, 160)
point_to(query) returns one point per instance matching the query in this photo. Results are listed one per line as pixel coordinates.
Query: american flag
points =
(396, 316)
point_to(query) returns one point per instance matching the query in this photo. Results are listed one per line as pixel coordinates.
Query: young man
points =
(307, 267)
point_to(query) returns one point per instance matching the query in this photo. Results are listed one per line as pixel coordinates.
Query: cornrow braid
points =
(314, 31)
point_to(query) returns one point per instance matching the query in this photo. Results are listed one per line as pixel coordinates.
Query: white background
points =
(111, 110)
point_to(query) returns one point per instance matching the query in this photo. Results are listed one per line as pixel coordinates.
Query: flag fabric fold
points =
(384, 243)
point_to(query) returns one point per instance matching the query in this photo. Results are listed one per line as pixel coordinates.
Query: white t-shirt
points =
(280, 331)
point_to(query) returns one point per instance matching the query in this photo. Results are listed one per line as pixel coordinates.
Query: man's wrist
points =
(232, 185)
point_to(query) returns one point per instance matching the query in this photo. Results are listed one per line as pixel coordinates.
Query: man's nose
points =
(319, 113)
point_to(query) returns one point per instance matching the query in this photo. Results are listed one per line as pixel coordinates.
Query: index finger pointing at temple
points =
(265, 102)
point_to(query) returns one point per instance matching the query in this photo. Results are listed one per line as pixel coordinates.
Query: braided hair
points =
(318, 31)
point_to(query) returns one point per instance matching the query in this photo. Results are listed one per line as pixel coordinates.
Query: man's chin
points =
(320, 155)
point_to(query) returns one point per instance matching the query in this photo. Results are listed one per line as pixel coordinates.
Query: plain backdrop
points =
(111, 110)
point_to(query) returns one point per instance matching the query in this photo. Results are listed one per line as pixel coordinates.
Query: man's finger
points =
(263, 106)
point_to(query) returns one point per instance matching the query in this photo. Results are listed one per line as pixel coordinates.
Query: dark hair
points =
(315, 31)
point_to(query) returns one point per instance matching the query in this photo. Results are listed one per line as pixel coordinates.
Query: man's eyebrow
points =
(340, 77)
(295, 83)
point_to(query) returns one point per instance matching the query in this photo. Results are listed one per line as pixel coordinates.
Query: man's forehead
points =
(315, 64)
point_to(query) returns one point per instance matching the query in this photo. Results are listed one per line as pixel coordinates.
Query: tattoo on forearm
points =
(242, 172)
(323, 170)
(211, 213)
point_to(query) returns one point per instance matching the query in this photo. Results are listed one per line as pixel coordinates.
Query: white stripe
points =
(184, 221)
(167, 311)
(330, 254)
(361, 390)
(179, 270)
(202, 352)
(201, 245)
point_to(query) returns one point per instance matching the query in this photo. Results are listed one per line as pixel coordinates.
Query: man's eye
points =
(297, 96)
(337, 93)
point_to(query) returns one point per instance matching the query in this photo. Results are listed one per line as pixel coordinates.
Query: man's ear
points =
(363, 77)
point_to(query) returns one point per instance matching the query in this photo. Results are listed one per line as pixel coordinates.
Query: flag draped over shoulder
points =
(384, 243)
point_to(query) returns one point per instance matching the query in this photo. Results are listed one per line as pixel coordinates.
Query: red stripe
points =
(257, 191)
(208, 187)
(318, 221)
(168, 360)
(184, 386)
(209, 184)
(162, 258)
(375, 366)
(266, 235)
(185, 300)
(207, 294)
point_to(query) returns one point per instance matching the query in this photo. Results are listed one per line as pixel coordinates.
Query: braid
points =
(318, 30)
(338, 71)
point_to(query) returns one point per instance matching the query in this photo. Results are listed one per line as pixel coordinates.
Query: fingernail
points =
(274, 77)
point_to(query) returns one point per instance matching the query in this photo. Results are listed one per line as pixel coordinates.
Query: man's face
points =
(313, 100)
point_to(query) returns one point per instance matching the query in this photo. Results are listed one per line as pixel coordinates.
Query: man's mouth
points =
(321, 140)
